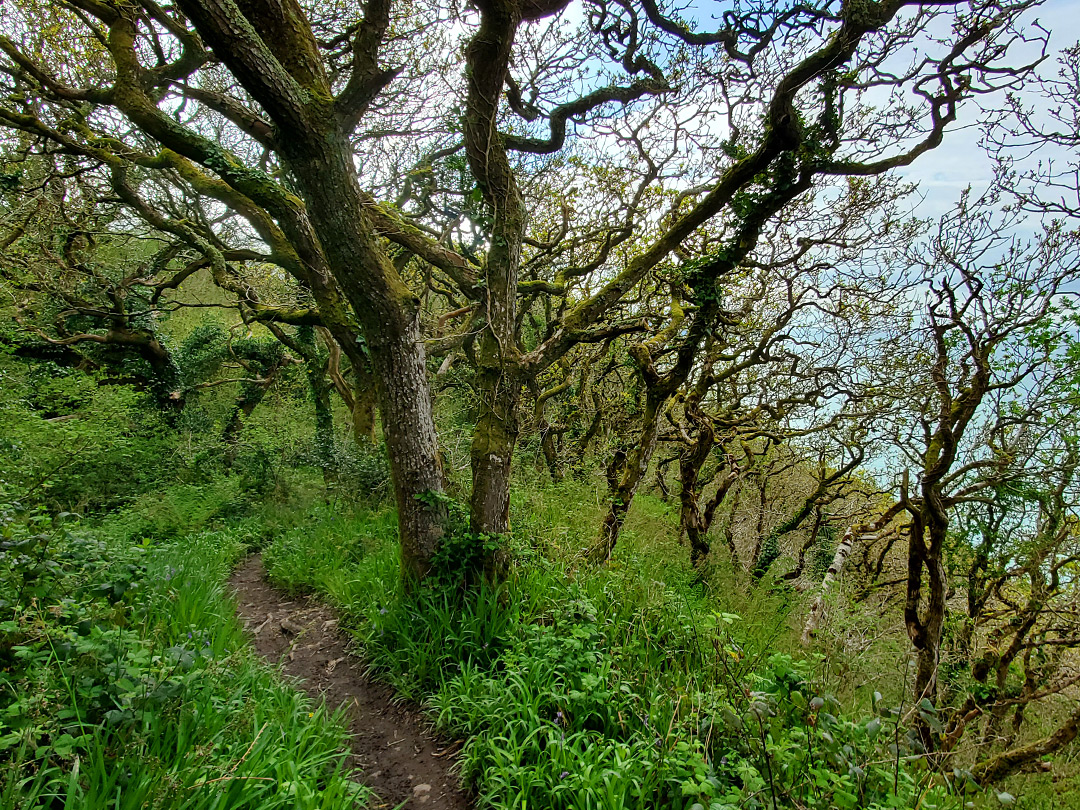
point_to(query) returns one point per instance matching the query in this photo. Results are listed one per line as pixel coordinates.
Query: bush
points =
(125, 681)
(107, 448)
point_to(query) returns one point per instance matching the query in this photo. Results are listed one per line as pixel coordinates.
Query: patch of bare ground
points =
(397, 756)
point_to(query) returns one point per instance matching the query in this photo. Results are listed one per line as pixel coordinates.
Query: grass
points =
(600, 689)
(127, 683)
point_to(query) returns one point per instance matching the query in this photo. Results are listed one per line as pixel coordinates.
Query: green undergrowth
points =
(600, 689)
(125, 680)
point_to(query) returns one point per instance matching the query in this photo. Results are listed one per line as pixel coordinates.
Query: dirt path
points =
(398, 759)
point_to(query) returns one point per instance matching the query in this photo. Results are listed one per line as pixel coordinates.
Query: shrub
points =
(125, 681)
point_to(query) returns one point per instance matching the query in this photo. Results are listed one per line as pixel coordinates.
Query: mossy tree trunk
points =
(358, 394)
(632, 473)
(498, 378)
(271, 50)
(691, 460)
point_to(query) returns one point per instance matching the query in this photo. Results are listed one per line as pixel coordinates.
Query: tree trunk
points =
(549, 445)
(817, 609)
(415, 464)
(492, 450)
(324, 434)
(594, 428)
(498, 381)
(929, 653)
(729, 530)
(691, 460)
(929, 528)
(359, 395)
(637, 463)
(166, 380)
(389, 317)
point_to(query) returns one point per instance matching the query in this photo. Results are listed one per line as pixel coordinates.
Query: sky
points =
(943, 173)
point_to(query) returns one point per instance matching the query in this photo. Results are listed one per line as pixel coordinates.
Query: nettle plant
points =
(70, 659)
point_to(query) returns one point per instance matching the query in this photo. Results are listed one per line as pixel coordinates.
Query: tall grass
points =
(132, 686)
(632, 685)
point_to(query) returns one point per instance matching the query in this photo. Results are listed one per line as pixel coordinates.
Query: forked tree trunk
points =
(926, 543)
(691, 518)
(637, 463)
(866, 533)
(928, 642)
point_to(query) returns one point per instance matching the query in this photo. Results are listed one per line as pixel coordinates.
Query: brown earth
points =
(391, 746)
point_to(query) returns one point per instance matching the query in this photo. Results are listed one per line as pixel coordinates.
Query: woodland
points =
(604, 365)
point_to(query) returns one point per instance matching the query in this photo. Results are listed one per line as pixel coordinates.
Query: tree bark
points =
(494, 438)
(1016, 759)
(358, 395)
(497, 383)
(637, 463)
(817, 609)
(926, 544)
(691, 460)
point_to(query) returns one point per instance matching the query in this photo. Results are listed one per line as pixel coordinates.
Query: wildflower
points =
(564, 774)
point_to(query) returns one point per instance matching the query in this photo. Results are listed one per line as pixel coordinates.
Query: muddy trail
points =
(397, 757)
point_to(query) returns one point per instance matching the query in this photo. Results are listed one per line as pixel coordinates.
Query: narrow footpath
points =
(397, 757)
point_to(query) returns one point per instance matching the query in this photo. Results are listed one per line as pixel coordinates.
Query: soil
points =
(391, 744)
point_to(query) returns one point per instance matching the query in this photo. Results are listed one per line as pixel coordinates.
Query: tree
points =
(1019, 547)
(280, 66)
(84, 286)
(993, 353)
(289, 119)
